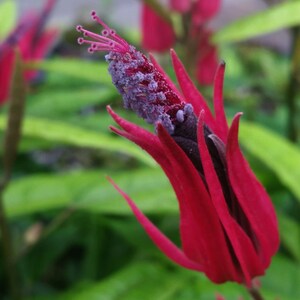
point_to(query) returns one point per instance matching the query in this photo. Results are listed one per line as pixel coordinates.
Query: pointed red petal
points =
(205, 10)
(202, 236)
(196, 228)
(190, 92)
(242, 246)
(181, 6)
(218, 103)
(41, 47)
(207, 65)
(6, 69)
(157, 34)
(252, 197)
(158, 238)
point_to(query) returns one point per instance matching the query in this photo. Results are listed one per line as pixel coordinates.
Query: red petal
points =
(207, 64)
(201, 232)
(190, 92)
(218, 103)
(241, 243)
(252, 197)
(158, 238)
(181, 6)
(205, 10)
(37, 51)
(157, 34)
(6, 69)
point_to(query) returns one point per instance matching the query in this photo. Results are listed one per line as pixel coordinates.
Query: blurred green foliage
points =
(75, 236)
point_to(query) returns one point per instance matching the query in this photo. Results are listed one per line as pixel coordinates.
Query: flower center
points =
(143, 88)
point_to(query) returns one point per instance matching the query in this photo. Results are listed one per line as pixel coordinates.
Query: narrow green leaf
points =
(145, 281)
(60, 132)
(8, 16)
(290, 235)
(67, 102)
(275, 285)
(90, 191)
(276, 152)
(94, 71)
(281, 16)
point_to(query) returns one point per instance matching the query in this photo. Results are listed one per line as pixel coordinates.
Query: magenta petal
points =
(159, 239)
(39, 51)
(252, 197)
(181, 6)
(207, 234)
(157, 34)
(207, 64)
(242, 246)
(6, 70)
(189, 90)
(218, 103)
(205, 10)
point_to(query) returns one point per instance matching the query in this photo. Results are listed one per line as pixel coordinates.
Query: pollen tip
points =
(90, 50)
(80, 41)
(79, 28)
(180, 116)
(105, 32)
(93, 13)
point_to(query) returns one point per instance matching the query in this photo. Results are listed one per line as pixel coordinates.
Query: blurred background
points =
(65, 232)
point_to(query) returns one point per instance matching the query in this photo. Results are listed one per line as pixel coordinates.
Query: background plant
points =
(74, 237)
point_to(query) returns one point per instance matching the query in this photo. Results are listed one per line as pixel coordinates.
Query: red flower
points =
(157, 34)
(207, 60)
(33, 42)
(204, 10)
(228, 226)
(181, 6)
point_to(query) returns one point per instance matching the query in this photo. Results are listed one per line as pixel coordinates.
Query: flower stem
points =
(9, 263)
(255, 294)
(292, 88)
(10, 147)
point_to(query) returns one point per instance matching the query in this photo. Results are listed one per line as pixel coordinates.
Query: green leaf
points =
(8, 16)
(281, 16)
(67, 102)
(282, 280)
(145, 281)
(60, 132)
(277, 153)
(290, 235)
(90, 191)
(94, 71)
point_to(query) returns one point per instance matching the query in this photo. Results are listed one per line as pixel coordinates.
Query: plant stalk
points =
(9, 263)
(255, 294)
(293, 87)
(10, 147)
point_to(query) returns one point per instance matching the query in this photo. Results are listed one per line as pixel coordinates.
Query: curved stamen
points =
(108, 40)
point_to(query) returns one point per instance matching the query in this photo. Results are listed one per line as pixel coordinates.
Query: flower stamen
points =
(108, 40)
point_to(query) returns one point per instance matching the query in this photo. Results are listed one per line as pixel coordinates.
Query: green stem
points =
(255, 294)
(293, 86)
(9, 264)
(189, 44)
(10, 147)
